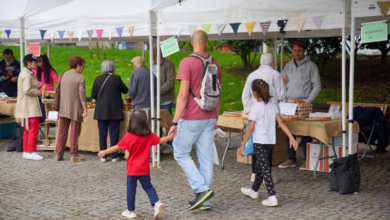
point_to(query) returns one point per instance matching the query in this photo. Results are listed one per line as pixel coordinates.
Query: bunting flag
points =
(119, 31)
(220, 28)
(8, 32)
(192, 29)
(282, 25)
(89, 32)
(318, 21)
(71, 33)
(131, 30)
(206, 27)
(80, 34)
(1, 33)
(249, 27)
(179, 28)
(384, 6)
(300, 22)
(99, 33)
(61, 33)
(42, 33)
(52, 33)
(109, 33)
(264, 26)
(235, 27)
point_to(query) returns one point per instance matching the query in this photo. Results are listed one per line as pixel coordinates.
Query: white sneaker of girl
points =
(249, 192)
(24, 155)
(158, 210)
(34, 156)
(270, 201)
(129, 214)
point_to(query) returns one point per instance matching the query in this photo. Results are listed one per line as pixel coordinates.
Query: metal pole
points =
(143, 50)
(276, 53)
(21, 43)
(48, 49)
(281, 53)
(151, 85)
(343, 92)
(25, 46)
(158, 97)
(351, 81)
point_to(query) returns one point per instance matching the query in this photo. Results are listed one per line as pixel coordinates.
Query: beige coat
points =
(72, 87)
(28, 105)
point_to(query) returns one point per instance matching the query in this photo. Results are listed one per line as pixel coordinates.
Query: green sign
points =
(374, 31)
(169, 46)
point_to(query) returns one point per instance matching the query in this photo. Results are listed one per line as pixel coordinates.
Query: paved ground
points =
(93, 190)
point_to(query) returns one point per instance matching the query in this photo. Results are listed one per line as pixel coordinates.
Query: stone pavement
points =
(93, 190)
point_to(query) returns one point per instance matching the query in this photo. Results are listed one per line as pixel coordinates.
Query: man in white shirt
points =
(277, 90)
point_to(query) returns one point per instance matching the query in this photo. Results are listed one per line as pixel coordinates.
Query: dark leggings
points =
(269, 157)
(263, 168)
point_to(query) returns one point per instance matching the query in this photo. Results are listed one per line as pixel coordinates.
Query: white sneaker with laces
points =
(103, 160)
(34, 156)
(158, 210)
(115, 159)
(270, 201)
(129, 214)
(24, 155)
(249, 192)
(253, 177)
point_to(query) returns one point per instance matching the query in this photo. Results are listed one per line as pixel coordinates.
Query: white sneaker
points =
(270, 201)
(115, 159)
(129, 214)
(34, 156)
(249, 192)
(24, 155)
(103, 160)
(253, 178)
(168, 150)
(158, 210)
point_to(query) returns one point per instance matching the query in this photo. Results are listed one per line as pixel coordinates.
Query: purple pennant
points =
(282, 25)
(61, 33)
(8, 32)
(235, 27)
(119, 31)
(42, 33)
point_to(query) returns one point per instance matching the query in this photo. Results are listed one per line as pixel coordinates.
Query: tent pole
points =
(281, 53)
(143, 50)
(351, 82)
(151, 84)
(25, 46)
(276, 53)
(158, 97)
(21, 43)
(48, 49)
(343, 94)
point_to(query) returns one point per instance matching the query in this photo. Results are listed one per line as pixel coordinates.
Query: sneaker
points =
(205, 208)
(288, 163)
(201, 198)
(270, 201)
(158, 210)
(303, 166)
(249, 192)
(59, 158)
(24, 155)
(115, 159)
(103, 160)
(168, 150)
(129, 214)
(34, 156)
(77, 159)
(253, 178)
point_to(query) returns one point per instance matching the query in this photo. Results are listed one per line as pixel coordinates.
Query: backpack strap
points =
(206, 62)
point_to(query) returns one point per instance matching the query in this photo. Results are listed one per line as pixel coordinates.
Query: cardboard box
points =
(278, 157)
(281, 141)
(243, 159)
(339, 151)
(312, 154)
(338, 140)
(7, 128)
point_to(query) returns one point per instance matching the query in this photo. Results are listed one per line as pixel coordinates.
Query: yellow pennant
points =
(70, 35)
(384, 6)
(249, 27)
(300, 22)
(131, 30)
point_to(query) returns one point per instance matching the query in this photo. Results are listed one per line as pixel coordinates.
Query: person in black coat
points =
(106, 90)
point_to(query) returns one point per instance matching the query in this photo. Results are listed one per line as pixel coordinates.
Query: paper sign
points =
(53, 116)
(169, 46)
(374, 31)
(287, 108)
(34, 49)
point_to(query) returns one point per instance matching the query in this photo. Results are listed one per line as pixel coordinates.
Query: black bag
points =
(345, 175)
(16, 143)
(43, 110)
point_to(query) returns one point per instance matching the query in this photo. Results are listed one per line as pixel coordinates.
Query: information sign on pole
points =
(169, 46)
(374, 31)
(35, 49)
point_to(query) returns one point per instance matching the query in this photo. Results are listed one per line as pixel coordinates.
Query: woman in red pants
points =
(28, 107)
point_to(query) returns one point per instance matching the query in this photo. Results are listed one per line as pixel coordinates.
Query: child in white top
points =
(262, 125)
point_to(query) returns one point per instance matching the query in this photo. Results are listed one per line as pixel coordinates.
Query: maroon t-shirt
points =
(191, 69)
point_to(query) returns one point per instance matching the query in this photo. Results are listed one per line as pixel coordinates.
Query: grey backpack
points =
(210, 87)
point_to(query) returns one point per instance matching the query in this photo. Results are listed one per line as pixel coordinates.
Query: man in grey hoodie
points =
(302, 81)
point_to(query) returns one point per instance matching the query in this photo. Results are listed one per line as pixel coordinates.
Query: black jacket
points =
(11, 71)
(109, 103)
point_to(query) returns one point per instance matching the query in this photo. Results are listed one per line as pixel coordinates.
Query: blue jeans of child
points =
(132, 189)
(201, 133)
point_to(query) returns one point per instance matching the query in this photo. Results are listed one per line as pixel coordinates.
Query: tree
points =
(383, 46)
(358, 45)
(243, 49)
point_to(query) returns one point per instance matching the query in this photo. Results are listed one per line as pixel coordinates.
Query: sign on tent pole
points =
(35, 49)
(374, 31)
(169, 46)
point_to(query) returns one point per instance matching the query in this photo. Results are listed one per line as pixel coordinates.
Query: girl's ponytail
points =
(262, 89)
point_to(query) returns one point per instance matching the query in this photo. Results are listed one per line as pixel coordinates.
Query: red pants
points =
(30, 137)
(75, 131)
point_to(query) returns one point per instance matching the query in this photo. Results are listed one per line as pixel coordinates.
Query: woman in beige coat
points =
(28, 107)
(73, 107)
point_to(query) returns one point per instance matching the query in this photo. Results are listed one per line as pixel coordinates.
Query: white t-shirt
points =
(265, 117)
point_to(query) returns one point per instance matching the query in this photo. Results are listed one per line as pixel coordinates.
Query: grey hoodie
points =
(305, 83)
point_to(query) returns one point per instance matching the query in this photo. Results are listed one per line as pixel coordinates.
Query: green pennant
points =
(1, 33)
(206, 27)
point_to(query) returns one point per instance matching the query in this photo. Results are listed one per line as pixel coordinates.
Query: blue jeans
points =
(114, 126)
(169, 108)
(200, 132)
(132, 189)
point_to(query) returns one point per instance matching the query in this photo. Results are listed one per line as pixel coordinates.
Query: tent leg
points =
(48, 50)
(343, 92)
(21, 43)
(351, 82)
(158, 98)
(281, 53)
(143, 50)
(152, 119)
(276, 53)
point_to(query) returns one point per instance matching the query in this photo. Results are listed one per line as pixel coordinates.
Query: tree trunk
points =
(104, 51)
(90, 50)
(98, 50)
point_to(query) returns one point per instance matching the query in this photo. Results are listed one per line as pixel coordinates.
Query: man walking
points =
(9, 71)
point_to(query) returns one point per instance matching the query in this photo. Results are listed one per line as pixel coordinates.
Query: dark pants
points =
(132, 189)
(114, 126)
(291, 151)
(169, 108)
(11, 94)
(254, 158)
(263, 168)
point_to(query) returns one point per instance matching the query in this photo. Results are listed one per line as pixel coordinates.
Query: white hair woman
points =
(107, 90)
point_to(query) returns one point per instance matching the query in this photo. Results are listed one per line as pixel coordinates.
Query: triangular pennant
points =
(300, 22)
(206, 27)
(42, 33)
(235, 27)
(52, 33)
(71, 33)
(282, 25)
(179, 28)
(109, 33)
(1, 33)
(89, 32)
(220, 28)
(192, 29)
(119, 31)
(99, 33)
(131, 30)
(318, 21)
(264, 26)
(249, 27)
(8, 32)
(61, 33)
(384, 6)
(80, 34)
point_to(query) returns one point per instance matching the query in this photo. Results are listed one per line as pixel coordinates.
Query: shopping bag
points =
(16, 143)
(345, 175)
(215, 155)
(249, 145)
